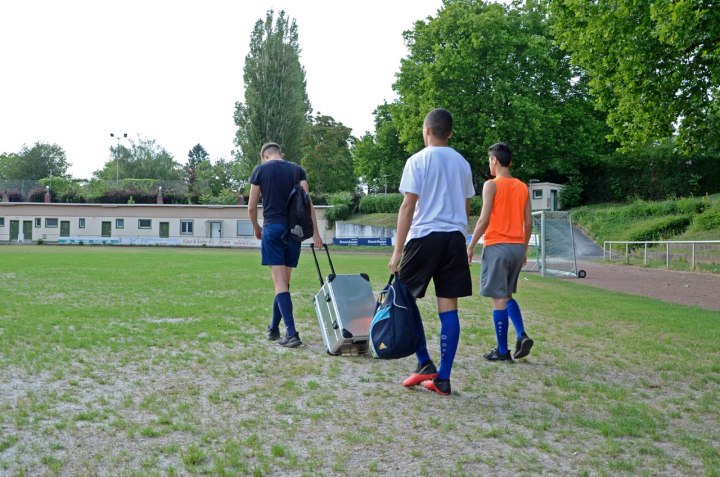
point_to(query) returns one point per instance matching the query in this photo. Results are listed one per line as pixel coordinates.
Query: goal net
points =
(554, 244)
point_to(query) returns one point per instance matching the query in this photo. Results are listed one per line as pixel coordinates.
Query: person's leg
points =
(449, 334)
(282, 296)
(500, 319)
(523, 343)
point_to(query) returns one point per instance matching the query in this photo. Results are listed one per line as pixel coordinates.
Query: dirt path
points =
(684, 288)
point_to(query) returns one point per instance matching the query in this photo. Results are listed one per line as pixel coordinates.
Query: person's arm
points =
(252, 210)
(528, 225)
(488, 195)
(405, 215)
(317, 240)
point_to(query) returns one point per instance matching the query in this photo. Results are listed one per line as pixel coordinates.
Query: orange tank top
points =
(507, 219)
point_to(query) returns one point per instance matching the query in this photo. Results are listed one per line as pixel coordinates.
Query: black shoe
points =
(273, 334)
(494, 355)
(523, 346)
(440, 386)
(290, 341)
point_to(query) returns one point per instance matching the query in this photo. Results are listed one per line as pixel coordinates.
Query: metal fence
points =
(693, 252)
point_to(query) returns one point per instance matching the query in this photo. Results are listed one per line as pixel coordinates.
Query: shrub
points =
(476, 205)
(708, 220)
(380, 204)
(658, 228)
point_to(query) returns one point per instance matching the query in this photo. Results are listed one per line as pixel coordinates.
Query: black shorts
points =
(441, 256)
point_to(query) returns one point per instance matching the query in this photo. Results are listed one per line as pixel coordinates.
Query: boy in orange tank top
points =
(506, 222)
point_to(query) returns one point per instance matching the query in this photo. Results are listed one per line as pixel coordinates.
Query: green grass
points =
(153, 361)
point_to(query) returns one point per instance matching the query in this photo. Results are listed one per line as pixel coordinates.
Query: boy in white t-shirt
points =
(431, 240)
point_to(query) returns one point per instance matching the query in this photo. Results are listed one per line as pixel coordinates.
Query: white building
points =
(545, 195)
(134, 224)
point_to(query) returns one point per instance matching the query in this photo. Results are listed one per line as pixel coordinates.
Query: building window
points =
(51, 223)
(537, 194)
(144, 223)
(186, 227)
(38, 222)
(119, 223)
(244, 228)
(81, 223)
(2, 221)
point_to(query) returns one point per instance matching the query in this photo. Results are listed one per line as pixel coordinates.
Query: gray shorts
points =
(501, 264)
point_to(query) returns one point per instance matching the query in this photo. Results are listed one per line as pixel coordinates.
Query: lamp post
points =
(117, 156)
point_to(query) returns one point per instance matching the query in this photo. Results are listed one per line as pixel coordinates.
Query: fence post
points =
(627, 249)
(693, 257)
(645, 255)
(667, 255)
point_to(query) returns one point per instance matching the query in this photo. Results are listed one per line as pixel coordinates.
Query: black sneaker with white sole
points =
(523, 346)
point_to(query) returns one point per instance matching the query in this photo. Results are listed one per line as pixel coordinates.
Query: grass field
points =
(153, 361)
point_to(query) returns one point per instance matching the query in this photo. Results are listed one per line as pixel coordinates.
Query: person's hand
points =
(317, 241)
(470, 253)
(258, 233)
(394, 262)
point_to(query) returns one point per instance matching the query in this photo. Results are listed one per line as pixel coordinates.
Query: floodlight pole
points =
(117, 157)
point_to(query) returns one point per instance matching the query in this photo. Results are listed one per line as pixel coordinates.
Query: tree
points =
(196, 155)
(34, 163)
(145, 159)
(498, 71)
(326, 155)
(276, 105)
(379, 158)
(654, 66)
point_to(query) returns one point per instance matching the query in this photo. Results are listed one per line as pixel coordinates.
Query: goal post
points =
(554, 243)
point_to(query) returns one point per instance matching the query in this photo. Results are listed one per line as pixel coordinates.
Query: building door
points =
(554, 195)
(164, 229)
(215, 230)
(27, 229)
(14, 229)
(64, 228)
(106, 227)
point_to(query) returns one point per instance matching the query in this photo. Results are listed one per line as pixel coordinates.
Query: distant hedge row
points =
(390, 204)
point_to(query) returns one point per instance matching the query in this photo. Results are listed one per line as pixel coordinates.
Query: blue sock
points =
(286, 309)
(422, 353)
(515, 316)
(276, 316)
(449, 338)
(500, 317)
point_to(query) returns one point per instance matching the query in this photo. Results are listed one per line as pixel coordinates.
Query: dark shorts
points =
(501, 264)
(441, 256)
(275, 249)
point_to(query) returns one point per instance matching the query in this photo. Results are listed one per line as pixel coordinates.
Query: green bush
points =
(708, 220)
(380, 204)
(476, 205)
(657, 228)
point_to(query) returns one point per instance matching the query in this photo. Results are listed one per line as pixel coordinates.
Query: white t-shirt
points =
(442, 180)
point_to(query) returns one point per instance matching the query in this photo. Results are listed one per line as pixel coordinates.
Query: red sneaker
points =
(422, 373)
(440, 386)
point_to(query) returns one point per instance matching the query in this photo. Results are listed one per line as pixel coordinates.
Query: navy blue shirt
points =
(276, 179)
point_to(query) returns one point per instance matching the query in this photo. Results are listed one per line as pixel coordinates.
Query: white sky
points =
(73, 71)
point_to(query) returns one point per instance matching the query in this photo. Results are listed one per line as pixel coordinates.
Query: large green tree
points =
(654, 65)
(496, 68)
(196, 156)
(276, 105)
(326, 155)
(144, 159)
(34, 163)
(379, 158)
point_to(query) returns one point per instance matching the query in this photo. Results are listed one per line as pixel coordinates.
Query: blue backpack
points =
(396, 330)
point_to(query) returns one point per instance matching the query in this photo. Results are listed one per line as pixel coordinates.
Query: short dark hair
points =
(268, 146)
(501, 151)
(440, 122)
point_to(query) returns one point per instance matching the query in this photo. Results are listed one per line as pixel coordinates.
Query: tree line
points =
(617, 99)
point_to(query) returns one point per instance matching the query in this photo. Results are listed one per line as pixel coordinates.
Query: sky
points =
(74, 71)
